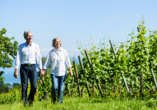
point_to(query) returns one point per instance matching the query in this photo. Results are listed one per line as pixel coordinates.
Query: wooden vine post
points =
(82, 68)
(151, 69)
(99, 87)
(142, 85)
(120, 71)
(72, 86)
(77, 78)
(120, 90)
(104, 85)
(141, 75)
(68, 90)
(150, 65)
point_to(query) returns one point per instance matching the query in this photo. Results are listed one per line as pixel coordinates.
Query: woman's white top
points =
(57, 59)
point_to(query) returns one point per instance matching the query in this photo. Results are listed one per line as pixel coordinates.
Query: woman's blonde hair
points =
(54, 40)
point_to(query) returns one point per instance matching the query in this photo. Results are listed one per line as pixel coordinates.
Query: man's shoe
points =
(24, 102)
(30, 103)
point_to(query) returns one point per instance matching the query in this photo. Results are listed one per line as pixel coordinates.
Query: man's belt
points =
(28, 64)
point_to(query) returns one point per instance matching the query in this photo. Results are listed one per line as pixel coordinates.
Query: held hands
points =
(42, 72)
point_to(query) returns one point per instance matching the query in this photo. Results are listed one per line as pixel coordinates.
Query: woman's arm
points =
(67, 60)
(47, 63)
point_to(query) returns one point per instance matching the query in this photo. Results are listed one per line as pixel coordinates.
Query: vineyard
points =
(127, 70)
(109, 71)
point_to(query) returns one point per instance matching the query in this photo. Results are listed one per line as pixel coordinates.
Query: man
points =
(27, 55)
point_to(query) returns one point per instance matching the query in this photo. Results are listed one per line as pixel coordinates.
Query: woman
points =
(57, 57)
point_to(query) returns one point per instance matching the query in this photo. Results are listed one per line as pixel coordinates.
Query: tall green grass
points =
(86, 104)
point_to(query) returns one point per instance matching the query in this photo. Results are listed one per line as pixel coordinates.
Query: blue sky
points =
(74, 20)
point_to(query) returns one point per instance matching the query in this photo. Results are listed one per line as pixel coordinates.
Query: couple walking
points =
(28, 54)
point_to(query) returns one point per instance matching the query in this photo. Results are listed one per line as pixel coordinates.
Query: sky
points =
(74, 21)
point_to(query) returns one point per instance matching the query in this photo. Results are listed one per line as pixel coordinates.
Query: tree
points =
(16, 85)
(8, 50)
(8, 85)
(4, 88)
(43, 60)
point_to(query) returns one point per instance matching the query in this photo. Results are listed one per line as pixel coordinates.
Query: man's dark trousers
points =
(28, 71)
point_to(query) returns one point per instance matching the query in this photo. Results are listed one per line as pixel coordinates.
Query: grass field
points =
(85, 104)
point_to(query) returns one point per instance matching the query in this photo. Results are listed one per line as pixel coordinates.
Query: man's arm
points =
(38, 56)
(17, 62)
(39, 61)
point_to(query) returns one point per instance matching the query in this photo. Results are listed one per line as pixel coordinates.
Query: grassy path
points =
(85, 104)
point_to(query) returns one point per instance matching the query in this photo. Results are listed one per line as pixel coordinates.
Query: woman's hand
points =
(70, 71)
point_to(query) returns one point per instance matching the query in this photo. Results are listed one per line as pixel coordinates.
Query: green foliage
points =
(4, 88)
(11, 97)
(69, 80)
(8, 51)
(16, 85)
(44, 86)
(14, 94)
(1, 77)
(44, 83)
(43, 60)
(133, 58)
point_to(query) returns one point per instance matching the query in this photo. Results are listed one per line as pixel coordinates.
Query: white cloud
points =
(44, 50)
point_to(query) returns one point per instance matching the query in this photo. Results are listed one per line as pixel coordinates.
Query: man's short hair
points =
(25, 34)
(54, 40)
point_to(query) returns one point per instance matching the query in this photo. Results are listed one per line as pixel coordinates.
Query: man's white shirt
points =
(57, 59)
(28, 54)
